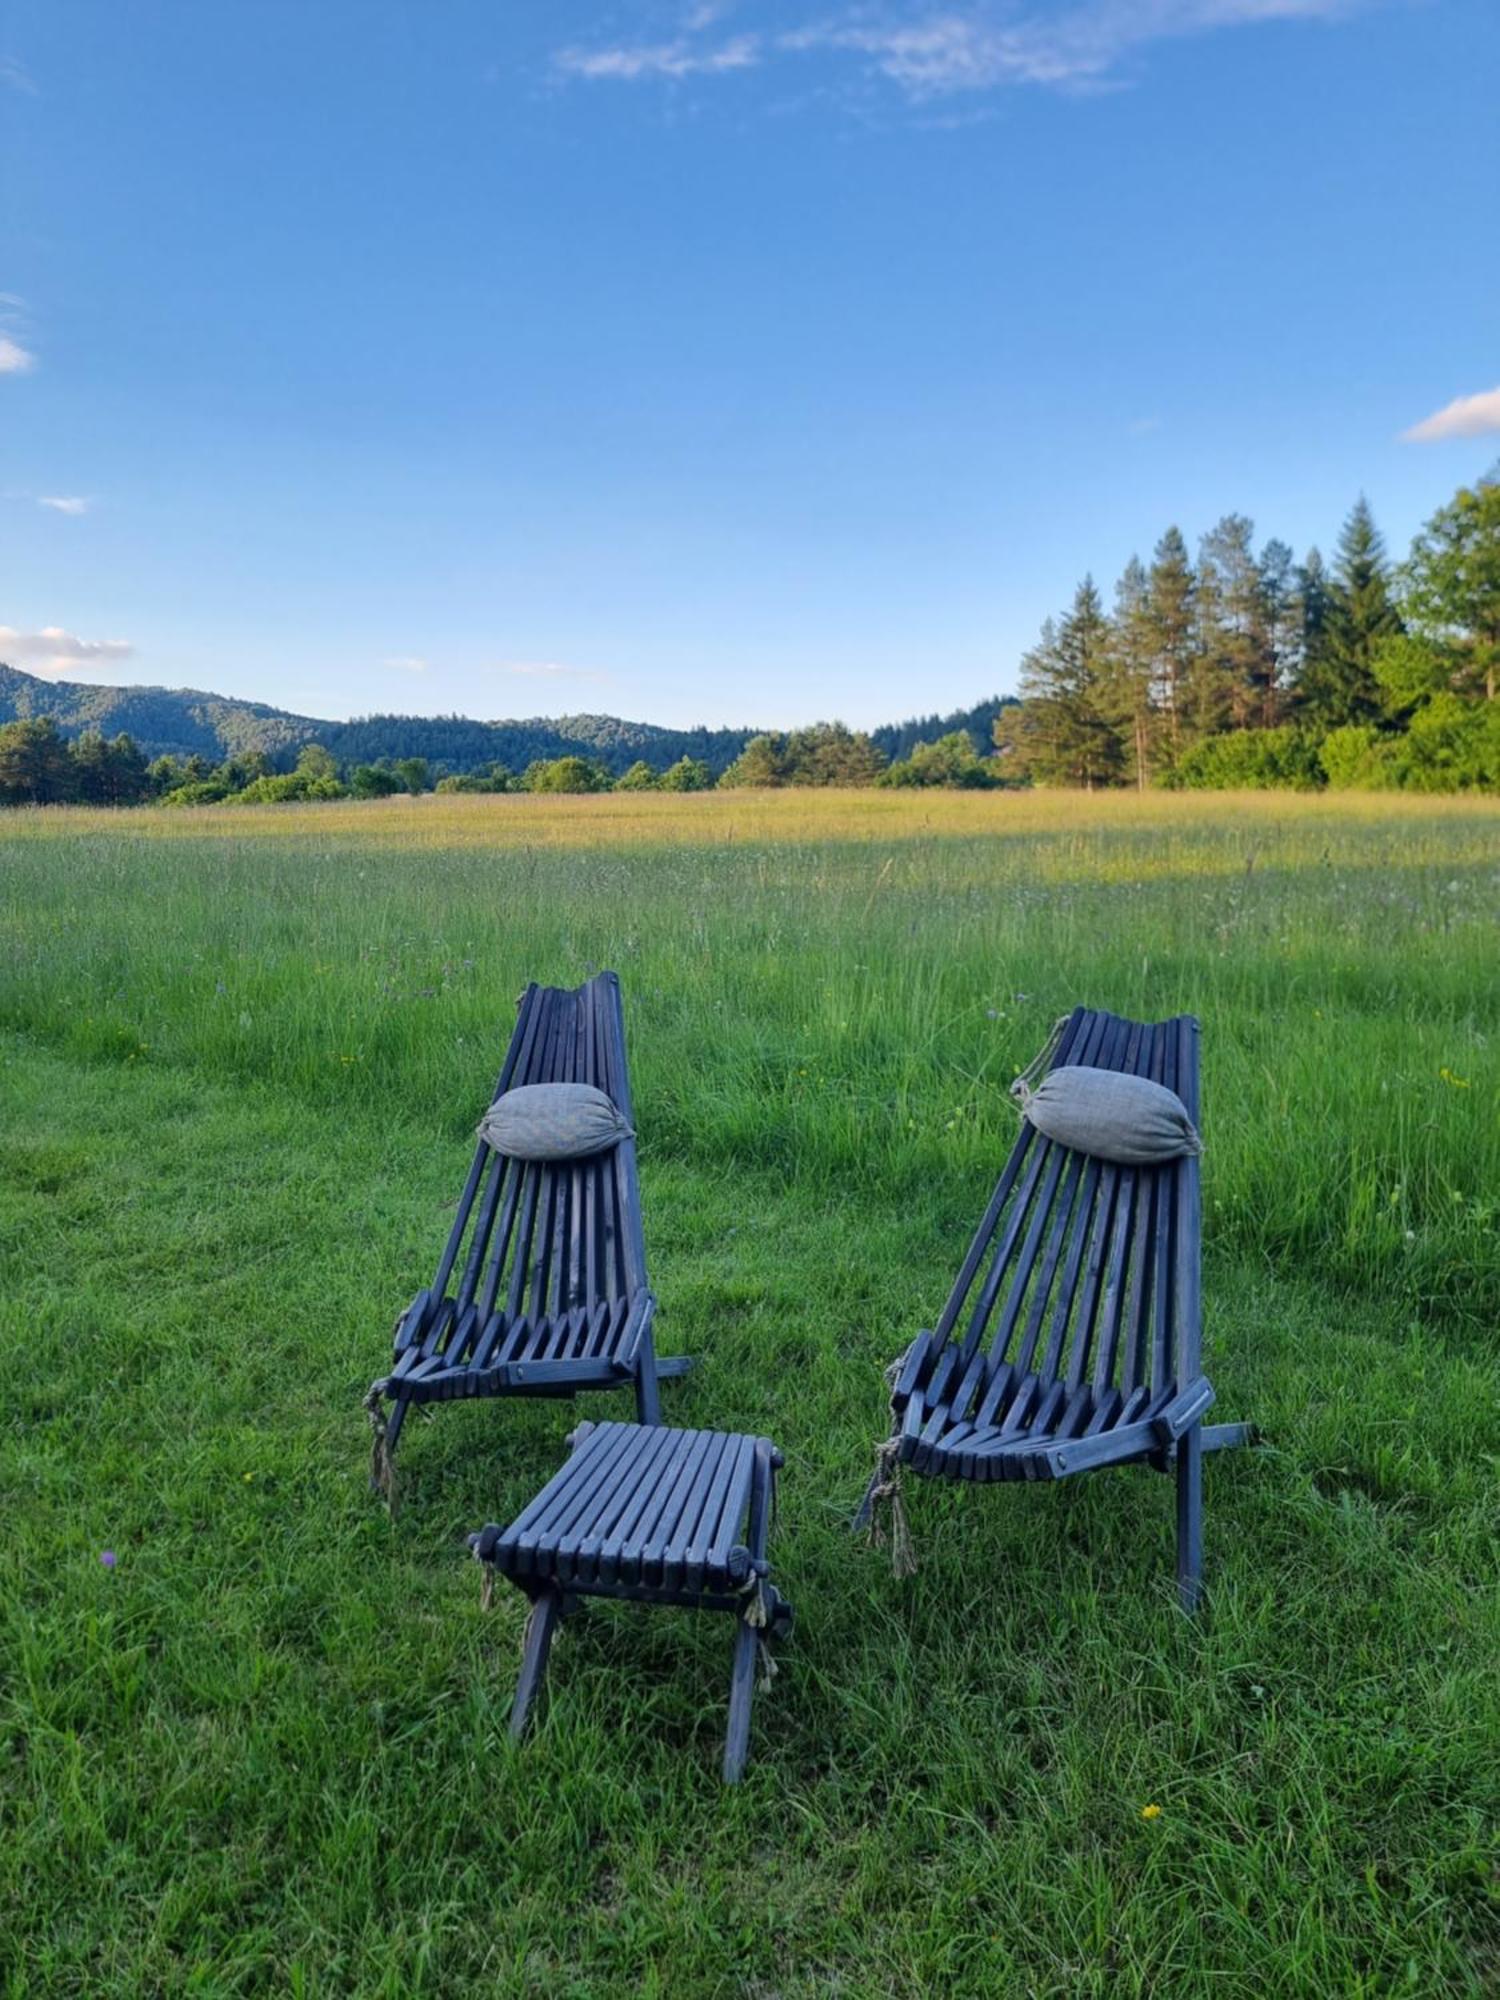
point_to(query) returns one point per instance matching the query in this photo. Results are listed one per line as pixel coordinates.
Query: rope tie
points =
(893, 1368)
(888, 1510)
(482, 1549)
(756, 1615)
(382, 1465)
(1040, 1063)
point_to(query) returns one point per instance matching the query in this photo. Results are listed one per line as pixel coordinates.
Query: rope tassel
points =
(382, 1465)
(888, 1521)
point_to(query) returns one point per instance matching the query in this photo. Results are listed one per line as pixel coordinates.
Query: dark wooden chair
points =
(542, 1288)
(660, 1516)
(1071, 1339)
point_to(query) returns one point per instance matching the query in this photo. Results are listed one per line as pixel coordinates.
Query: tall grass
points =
(849, 1005)
(241, 1054)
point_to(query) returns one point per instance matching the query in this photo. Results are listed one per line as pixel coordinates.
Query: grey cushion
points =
(1128, 1119)
(553, 1121)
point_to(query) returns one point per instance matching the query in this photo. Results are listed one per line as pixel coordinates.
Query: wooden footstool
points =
(662, 1515)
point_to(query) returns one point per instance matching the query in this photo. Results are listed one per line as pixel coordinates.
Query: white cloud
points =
(408, 663)
(65, 503)
(1464, 417)
(670, 59)
(14, 358)
(929, 51)
(54, 653)
(14, 75)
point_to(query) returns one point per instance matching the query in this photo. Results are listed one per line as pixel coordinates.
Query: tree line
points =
(1245, 667)
(1240, 667)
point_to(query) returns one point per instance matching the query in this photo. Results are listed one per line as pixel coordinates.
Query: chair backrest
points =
(549, 1237)
(1084, 1272)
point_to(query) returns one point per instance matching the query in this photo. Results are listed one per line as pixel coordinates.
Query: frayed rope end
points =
(888, 1521)
(382, 1465)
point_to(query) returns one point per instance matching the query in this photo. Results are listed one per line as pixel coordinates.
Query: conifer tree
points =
(1170, 606)
(1339, 684)
(1068, 737)
(1133, 680)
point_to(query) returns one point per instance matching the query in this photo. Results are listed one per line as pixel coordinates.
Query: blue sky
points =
(748, 362)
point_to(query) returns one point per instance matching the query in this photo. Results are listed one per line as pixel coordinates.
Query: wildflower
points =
(249, 1476)
(1457, 1082)
(107, 1557)
(1150, 1812)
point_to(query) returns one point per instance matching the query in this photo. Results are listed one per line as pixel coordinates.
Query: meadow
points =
(242, 1052)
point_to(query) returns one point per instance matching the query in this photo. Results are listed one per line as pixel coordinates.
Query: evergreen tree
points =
(1339, 686)
(1171, 613)
(1131, 694)
(830, 754)
(1232, 671)
(35, 768)
(762, 763)
(1067, 736)
(1281, 613)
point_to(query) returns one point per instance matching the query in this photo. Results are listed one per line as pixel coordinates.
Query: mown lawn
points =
(241, 1055)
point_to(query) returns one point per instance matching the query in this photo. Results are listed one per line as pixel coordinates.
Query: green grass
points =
(242, 1057)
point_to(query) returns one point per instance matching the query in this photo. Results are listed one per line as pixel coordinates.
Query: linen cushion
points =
(553, 1121)
(1127, 1119)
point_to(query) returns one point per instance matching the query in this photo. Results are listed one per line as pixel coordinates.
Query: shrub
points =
(1252, 760)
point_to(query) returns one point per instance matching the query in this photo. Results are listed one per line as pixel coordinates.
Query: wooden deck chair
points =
(542, 1288)
(1071, 1338)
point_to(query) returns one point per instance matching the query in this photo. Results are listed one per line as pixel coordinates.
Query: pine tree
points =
(1171, 612)
(1312, 623)
(1065, 681)
(1232, 672)
(1133, 679)
(35, 768)
(1339, 685)
(1282, 614)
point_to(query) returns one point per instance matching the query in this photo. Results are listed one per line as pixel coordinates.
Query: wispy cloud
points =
(1464, 417)
(65, 503)
(678, 58)
(930, 51)
(408, 663)
(14, 75)
(55, 653)
(14, 358)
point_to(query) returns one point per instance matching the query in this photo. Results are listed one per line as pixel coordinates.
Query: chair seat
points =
(441, 1354)
(1027, 1428)
(642, 1510)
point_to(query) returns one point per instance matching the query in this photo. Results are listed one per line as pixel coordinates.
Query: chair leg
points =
(539, 1629)
(647, 1398)
(394, 1422)
(741, 1695)
(866, 1507)
(1190, 1518)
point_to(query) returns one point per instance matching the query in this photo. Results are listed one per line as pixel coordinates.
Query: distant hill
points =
(187, 722)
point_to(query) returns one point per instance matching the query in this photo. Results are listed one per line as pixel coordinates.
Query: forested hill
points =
(186, 722)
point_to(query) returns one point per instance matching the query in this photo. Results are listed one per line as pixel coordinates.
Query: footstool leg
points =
(544, 1613)
(741, 1695)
